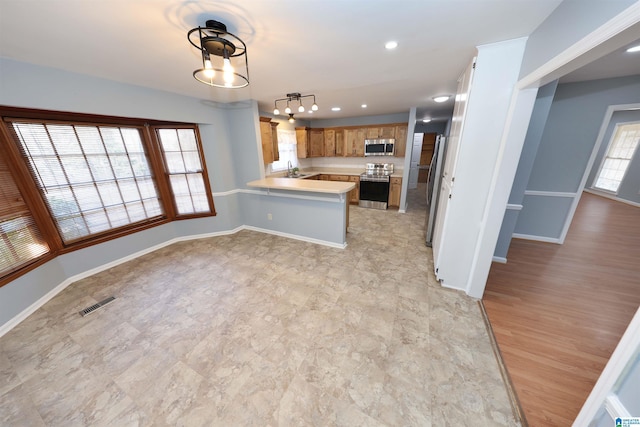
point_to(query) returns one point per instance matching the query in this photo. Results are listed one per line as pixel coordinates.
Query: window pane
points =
(180, 149)
(64, 139)
(618, 158)
(175, 162)
(100, 167)
(187, 140)
(89, 175)
(20, 242)
(169, 140)
(192, 161)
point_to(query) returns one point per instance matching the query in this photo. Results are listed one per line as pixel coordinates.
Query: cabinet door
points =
(323, 177)
(372, 132)
(343, 178)
(266, 140)
(395, 188)
(354, 195)
(387, 132)
(359, 143)
(401, 141)
(316, 142)
(329, 142)
(274, 140)
(340, 149)
(302, 142)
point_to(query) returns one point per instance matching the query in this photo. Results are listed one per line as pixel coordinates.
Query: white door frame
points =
(583, 182)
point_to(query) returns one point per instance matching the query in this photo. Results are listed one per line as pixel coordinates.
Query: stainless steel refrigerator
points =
(433, 185)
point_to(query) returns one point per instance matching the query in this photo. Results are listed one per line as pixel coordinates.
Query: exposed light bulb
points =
(314, 107)
(441, 98)
(301, 109)
(391, 45)
(287, 110)
(634, 49)
(276, 112)
(208, 69)
(228, 72)
(291, 119)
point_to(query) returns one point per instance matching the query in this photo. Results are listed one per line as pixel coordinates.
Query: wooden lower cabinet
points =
(395, 188)
(354, 195)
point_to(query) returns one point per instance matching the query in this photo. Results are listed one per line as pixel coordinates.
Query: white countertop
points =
(297, 184)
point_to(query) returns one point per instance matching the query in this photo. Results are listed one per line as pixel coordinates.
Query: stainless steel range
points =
(374, 185)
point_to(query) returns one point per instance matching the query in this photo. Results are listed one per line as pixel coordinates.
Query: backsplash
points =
(349, 162)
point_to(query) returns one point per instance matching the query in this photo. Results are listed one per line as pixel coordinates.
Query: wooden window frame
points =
(38, 207)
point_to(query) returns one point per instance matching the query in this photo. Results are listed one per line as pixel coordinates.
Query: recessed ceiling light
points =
(426, 120)
(335, 108)
(441, 98)
(364, 105)
(634, 49)
(391, 45)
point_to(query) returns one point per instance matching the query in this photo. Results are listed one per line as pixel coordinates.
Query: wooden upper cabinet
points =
(340, 142)
(329, 142)
(266, 140)
(372, 132)
(274, 140)
(354, 142)
(347, 141)
(387, 132)
(302, 142)
(401, 140)
(316, 142)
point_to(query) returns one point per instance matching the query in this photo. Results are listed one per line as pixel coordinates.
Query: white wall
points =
(497, 68)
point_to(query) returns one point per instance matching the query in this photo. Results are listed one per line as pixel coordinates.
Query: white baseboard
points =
(500, 259)
(296, 237)
(611, 196)
(12, 323)
(537, 238)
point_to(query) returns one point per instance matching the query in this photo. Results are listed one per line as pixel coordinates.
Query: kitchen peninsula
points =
(311, 210)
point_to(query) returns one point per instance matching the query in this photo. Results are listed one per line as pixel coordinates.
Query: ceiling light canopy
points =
(297, 97)
(224, 56)
(441, 98)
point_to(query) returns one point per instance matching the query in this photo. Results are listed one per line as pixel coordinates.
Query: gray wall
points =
(568, 23)
(539, 117)
(630, 185)
(230, 139)
(360, 121)
(569, 137)
(431, 127)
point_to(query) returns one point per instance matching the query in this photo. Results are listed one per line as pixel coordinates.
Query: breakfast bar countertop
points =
(309, 185)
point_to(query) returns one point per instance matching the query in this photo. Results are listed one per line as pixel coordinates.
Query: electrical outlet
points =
(269, 216)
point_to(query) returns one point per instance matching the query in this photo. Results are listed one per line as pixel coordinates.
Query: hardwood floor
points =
(558, 311)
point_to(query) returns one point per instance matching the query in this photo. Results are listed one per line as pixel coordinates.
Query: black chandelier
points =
(224, 56)
(294, 97)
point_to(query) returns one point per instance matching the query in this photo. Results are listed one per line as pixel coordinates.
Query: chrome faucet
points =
(289, 168)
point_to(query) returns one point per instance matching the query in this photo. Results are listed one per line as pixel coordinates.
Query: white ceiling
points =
(331, 48)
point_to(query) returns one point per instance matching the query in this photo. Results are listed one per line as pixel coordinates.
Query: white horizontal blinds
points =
(186, 173)
(20, 239)
(618, 158)
(93, 178)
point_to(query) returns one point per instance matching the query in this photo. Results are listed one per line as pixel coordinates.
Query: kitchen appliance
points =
(379, 147)
(433, 185)
(374, 185)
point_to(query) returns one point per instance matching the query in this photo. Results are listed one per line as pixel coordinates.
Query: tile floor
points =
(257, 330)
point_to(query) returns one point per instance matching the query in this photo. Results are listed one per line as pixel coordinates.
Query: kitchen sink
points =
(297, 175)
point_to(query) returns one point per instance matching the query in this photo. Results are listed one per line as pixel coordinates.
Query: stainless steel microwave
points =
(379, 147)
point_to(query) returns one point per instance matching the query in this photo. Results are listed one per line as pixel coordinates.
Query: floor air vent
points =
(94, 307)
